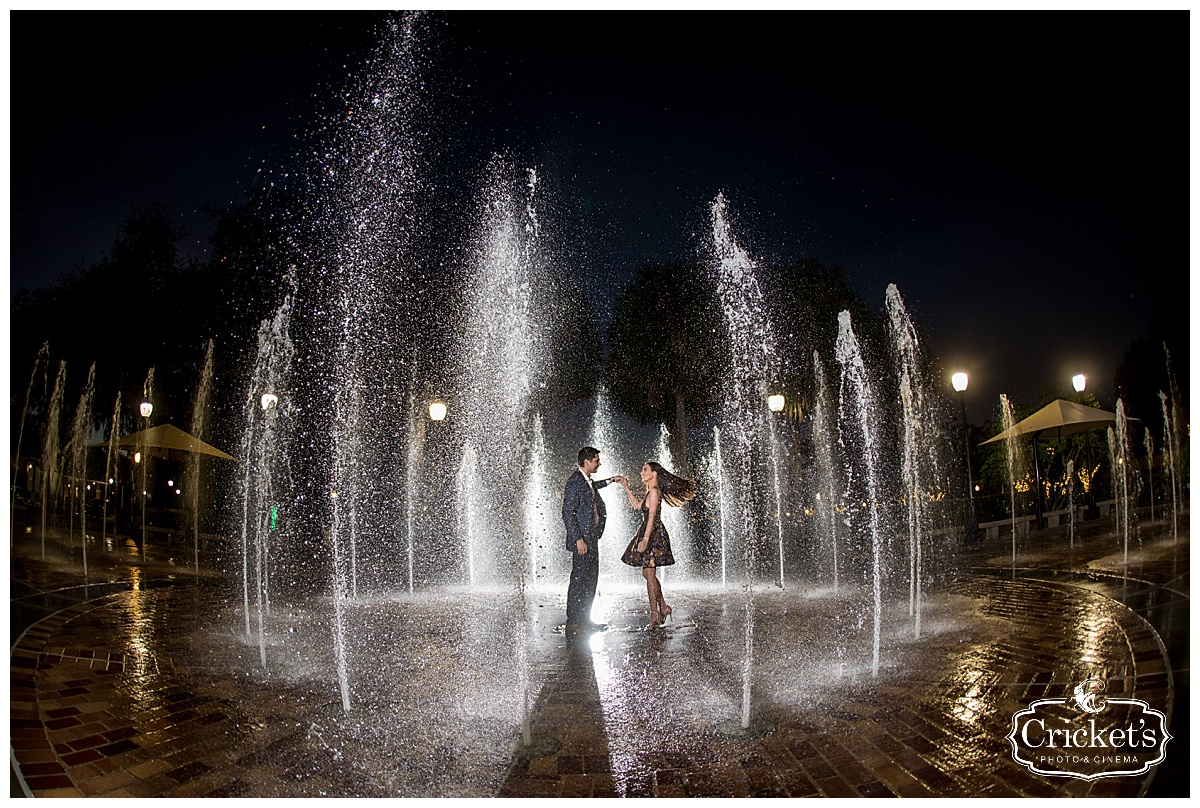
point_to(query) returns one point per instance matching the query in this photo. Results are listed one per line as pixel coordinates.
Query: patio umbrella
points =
(1062, 419)
(168, 442)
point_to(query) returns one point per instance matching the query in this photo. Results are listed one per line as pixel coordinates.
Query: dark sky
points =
(1022, 177)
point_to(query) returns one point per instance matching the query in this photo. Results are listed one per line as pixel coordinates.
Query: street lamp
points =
(146, 409)
(437, 410)
(1079, 382)
(268, 401)
(775, 402)
(959, 382)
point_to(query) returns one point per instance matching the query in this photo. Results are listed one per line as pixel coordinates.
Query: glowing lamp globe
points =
(959, 381)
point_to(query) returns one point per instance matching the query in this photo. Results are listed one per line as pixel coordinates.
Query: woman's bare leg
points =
(654, 593)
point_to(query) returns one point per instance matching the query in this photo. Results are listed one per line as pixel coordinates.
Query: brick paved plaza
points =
(144, 684)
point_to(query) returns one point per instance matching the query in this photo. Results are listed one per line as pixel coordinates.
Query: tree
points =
(666, 350)
(803, 300)
(1143, 371)
(139, 306)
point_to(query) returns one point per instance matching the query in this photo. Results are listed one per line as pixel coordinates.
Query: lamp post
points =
(776, 403)
(959, 382)
(146, 409)
(1079, 382)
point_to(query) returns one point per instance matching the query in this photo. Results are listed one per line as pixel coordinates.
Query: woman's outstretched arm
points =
(634, 502)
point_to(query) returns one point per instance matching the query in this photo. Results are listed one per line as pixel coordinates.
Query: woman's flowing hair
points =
(675, 490)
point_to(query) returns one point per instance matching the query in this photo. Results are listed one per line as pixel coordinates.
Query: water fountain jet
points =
(50, 448)
(41, 361)
(857, 404)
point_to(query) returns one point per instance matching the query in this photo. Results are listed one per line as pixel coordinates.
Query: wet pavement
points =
(151, 681)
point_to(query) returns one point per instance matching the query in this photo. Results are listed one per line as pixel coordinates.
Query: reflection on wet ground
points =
(145, 684)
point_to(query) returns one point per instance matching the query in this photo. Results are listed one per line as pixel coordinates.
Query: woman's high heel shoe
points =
(656, 620)
(666, 610)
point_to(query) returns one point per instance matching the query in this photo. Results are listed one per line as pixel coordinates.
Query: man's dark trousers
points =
(585, 573)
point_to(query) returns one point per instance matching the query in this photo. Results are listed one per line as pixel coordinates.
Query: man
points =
(584, 514)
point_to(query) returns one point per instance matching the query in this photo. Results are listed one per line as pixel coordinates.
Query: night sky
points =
(1022, 176)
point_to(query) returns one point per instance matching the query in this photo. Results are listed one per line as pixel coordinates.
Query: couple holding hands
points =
(584, 515)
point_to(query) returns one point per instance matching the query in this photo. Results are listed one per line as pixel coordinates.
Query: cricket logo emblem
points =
(1089, 735)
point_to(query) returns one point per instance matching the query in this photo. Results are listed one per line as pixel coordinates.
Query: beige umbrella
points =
(1063, 418)
(168, 442)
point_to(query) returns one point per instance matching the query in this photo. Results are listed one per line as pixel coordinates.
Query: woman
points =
(651, 546)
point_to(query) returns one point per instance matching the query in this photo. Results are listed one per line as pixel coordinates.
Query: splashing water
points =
(1121, 462)
(264, 452)
(1148, 442)
(41, 361)
(1179, 429)
(81, 428)
(752, 356)
(469, 506)
(113, 431)
(673, 518)
(198, 426)
(50, 448)
(1169, 442)
(916, 476)
(539, 524)
(722, 501)
(604, 436)
(1015, 467)
(857, 402)
(824, 428)
(502, 339)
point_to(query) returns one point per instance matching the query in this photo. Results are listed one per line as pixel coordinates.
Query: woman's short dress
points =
(658, 549)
